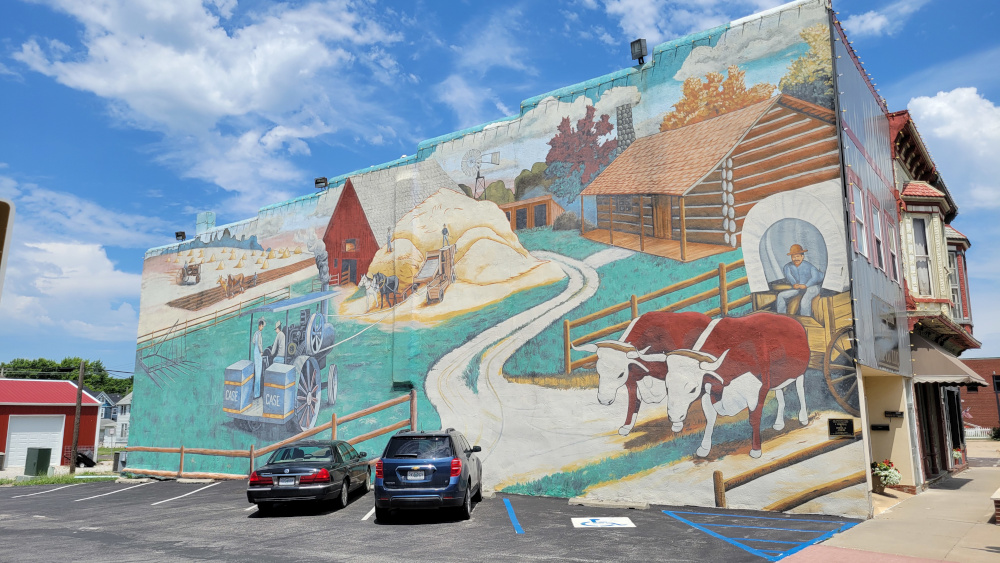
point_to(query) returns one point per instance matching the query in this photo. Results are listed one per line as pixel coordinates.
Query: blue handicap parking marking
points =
(513, 517)
(796, 535)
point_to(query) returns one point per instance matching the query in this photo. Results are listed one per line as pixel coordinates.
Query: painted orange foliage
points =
(714, 97)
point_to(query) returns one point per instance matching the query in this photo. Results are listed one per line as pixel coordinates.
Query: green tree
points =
(95, 375)
(466, 189)
(529, 179)
(498, 193)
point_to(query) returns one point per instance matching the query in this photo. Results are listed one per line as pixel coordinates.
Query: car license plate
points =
(415, 475)
(286, 481)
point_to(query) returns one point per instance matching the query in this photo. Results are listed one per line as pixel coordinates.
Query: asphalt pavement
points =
(172, 521)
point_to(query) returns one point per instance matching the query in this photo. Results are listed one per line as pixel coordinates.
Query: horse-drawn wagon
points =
(274, 388)
(811, 218)
(189, 274)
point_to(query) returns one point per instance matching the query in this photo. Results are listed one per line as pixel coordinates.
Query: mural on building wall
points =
(632, 284)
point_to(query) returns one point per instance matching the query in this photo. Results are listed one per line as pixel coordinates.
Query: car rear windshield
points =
(419, 447)
(301, 453)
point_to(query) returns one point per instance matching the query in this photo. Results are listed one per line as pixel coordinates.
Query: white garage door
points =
(34, 432)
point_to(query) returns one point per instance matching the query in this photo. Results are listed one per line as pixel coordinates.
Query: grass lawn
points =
(61, 479)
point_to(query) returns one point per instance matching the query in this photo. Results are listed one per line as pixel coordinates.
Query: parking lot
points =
(172, 521)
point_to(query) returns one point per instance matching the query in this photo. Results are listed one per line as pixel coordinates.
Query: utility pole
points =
(76, 421)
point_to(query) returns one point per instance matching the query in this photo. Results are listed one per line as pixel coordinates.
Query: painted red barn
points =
(38, 413)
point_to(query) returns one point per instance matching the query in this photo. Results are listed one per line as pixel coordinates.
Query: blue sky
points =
(124, 118)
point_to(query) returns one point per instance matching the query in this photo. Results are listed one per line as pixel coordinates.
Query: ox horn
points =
(585, 348)
(700, 356)
(629, 329)
(711, 366)
(638, 363)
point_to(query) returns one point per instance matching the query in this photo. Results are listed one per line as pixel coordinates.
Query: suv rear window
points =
(419, 447)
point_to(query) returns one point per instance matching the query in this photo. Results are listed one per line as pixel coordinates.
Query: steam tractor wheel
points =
(840, 372)
(314, 334)
(307, 393)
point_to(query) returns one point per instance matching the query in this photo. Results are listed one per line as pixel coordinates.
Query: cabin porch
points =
(667, 248)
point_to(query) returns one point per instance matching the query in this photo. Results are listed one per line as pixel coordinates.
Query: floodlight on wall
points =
(181, 236)
(321, 183)
(639, 50)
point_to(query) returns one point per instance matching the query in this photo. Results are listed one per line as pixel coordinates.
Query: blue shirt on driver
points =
(805, 274)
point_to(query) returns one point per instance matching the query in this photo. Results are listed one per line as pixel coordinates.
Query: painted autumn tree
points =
(578, 155)
(714, 97)
(810, 77)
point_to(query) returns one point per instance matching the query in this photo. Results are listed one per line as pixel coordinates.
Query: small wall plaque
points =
(894, 414)
(880, 427)
(841, 427)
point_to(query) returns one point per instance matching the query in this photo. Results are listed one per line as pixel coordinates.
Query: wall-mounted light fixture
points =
(181, 236)
(321, 183)
(639, 50)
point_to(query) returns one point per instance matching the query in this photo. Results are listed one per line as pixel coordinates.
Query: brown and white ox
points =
(732, 367)
(636, 360)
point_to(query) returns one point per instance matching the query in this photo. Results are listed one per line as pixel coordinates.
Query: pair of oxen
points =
(730, 364)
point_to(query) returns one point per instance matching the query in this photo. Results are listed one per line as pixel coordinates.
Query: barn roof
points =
(673, 162)
(388, 194)
(41, 392)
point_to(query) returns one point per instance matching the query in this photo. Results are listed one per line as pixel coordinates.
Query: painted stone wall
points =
(636, 282)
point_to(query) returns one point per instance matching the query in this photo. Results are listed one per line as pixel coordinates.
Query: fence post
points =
(413, 409)
(635, 306)
(719, 484)
(251, 458)
(723, 292)
(566, 341)
(180, 472)
(333, 427)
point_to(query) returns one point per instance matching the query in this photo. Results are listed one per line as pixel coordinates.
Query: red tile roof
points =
(41, 392)
(921, 189)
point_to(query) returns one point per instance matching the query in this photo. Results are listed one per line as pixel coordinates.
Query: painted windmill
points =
(472, 164)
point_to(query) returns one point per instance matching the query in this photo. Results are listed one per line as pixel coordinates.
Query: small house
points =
(531, 213)
(684, 193)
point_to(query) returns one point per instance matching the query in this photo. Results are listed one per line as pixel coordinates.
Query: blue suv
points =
(428, 470)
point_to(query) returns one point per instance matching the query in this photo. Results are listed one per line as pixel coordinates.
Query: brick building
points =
(979, 404)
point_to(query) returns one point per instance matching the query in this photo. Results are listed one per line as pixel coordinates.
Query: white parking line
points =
(369, 515)
(252, 506)
(186, 494)
(113, 492)
(48, 491)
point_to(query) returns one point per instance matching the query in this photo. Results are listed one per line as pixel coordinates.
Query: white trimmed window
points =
(921, 255)
(956, 286)
(878, 253)
(890, 244)
(860, 234)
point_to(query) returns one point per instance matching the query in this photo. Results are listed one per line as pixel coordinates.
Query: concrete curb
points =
(581, 501)
(130, 480)
(195, 481)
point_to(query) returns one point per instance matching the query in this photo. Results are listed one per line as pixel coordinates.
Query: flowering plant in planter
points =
(886, 472)
(957, 455)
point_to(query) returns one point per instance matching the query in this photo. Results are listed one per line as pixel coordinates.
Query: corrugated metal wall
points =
(868, 160)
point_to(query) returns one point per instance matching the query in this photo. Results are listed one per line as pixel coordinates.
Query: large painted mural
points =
(636, 289)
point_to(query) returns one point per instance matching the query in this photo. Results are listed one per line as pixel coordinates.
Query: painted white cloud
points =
(886, 21)
(660, 20)
(234, 102)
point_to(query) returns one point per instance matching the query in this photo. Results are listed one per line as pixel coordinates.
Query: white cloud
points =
(60, 283)
(962, 129)
(469, 102)
(954, 73)
(660, 20)
(887, 21)
(494, 44)
(234, 103)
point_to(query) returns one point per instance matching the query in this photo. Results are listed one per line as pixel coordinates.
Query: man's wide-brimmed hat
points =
(796, 249)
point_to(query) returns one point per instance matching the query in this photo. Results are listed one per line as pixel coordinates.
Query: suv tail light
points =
(378, 469)
(456, 467)
(257, 480)
(321, 476)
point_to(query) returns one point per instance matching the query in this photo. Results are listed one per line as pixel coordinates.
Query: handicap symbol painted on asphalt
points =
(602, 523)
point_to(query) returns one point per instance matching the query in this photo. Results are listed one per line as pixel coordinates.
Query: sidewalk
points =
(101, 467)
(951, 521)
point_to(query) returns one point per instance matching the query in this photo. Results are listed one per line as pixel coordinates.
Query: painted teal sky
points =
(124, 120)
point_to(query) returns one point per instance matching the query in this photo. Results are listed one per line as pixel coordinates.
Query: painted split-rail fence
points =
(252, 454)
(720, 484)
(720, 291)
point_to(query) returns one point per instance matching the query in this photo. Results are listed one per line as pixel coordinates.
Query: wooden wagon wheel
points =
(307, 393)
(840, 372)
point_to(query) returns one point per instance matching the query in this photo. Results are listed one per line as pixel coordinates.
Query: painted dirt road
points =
(536, 430)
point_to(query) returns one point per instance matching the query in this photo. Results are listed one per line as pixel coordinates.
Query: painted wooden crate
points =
(279, 391)
(239, 387)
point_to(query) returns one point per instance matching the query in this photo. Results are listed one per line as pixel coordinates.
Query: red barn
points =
(350, 242)
(38, 413)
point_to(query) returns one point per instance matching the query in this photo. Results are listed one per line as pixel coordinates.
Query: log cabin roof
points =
(675, 161)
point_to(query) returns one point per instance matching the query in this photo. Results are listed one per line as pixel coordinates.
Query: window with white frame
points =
(956, 285)
(921, 255)
(860, 234)
(878, 253)
(890, 244)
